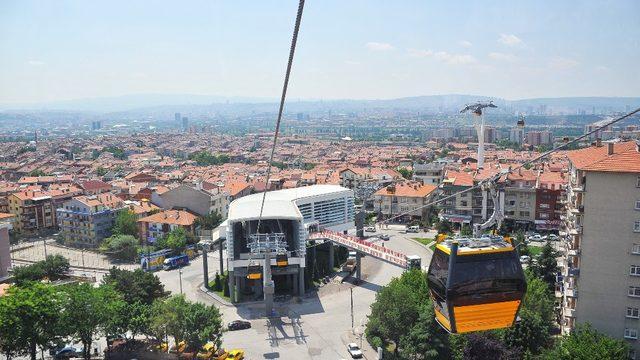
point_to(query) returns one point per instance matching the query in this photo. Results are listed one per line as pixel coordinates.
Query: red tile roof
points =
(625, 158)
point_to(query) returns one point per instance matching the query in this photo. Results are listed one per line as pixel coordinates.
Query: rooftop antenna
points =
(476, 110)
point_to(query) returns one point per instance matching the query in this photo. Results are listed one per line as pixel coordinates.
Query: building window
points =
(637, 205)
(630, 333)
(634, 291)
(634, 270)
(635, 249)
(633, 313)
(638, 182)
(636, 226)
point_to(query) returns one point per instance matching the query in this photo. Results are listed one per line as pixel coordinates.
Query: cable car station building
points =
(289, 215)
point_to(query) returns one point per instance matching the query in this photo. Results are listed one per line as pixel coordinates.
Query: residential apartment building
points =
(550, 192)
(429, 174)
(406, 200)
(537, 138)
(33, 211)
(457, 209)
(196, 199)
(601, 268)
(520, 197)
(85, 221)
(5, 248)
(155, 226)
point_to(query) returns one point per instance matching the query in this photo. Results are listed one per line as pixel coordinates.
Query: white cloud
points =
(465, 44)
(562, 63)
(352, 62)
(419, 52)
(510, 40)
(455, 59)
(376, 46)
(502, 57)
(36, 63)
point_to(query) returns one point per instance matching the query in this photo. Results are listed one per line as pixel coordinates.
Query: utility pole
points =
(352, 325)
(180, 276)
(45, 247)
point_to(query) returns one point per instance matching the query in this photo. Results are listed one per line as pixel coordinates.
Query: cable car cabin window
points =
(438, 272)
(437, 279)
(488, 277)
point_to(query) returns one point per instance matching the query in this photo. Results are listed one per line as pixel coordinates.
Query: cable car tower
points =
(476, 110)
(263, 245)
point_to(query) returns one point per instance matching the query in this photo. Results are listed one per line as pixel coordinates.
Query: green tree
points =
(176, 240)
(443, 227)
(521, 244)
(530, 334)
(30, 318)
(135, 286)
(53, 267)
(586, 343)
(397, 308)
(426, 340)
(465, 230)
(487, 345)
(202, 324)
(117, 152)
(121, 247)
(539, 299)
(100, 171)
(547, 265)
(37, 172)
(126, 224)
(89, 311)
(217, 284)
(26, 149)
(209, 221)
(129, 319)
(406, 173)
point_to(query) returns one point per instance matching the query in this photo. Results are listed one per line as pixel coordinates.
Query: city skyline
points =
(370, 51)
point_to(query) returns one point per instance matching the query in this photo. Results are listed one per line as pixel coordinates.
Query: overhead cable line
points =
(292, 51)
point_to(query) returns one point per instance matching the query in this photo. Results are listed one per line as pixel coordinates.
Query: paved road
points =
(317, 328)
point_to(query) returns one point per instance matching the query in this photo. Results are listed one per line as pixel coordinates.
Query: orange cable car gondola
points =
(476, 284)
(282, 260)
(254, 272)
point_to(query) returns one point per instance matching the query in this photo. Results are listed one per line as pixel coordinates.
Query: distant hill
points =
(208, 104)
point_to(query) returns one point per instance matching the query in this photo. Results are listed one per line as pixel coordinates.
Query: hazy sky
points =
(53, 50)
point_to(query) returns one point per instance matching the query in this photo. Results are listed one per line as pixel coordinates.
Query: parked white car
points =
(536, 238)
(354, 350)
(413, 229)
(370, 229)
(524, 259)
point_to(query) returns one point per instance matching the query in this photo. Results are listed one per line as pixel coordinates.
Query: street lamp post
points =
(180, 276)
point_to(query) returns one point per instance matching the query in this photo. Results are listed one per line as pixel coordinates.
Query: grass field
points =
(426, 241)
(535, 250)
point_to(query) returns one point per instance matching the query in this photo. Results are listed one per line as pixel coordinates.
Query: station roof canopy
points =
(279, 204)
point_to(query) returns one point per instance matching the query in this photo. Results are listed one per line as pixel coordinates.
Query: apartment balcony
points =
(573, 252)
(577, 187)
(568, 312)
(571, 292)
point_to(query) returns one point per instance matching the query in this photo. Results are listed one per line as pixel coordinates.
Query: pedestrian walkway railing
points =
(364, 246)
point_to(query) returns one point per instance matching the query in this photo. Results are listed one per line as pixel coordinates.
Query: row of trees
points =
(36, 316)
(205, 158)
(53, 267)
